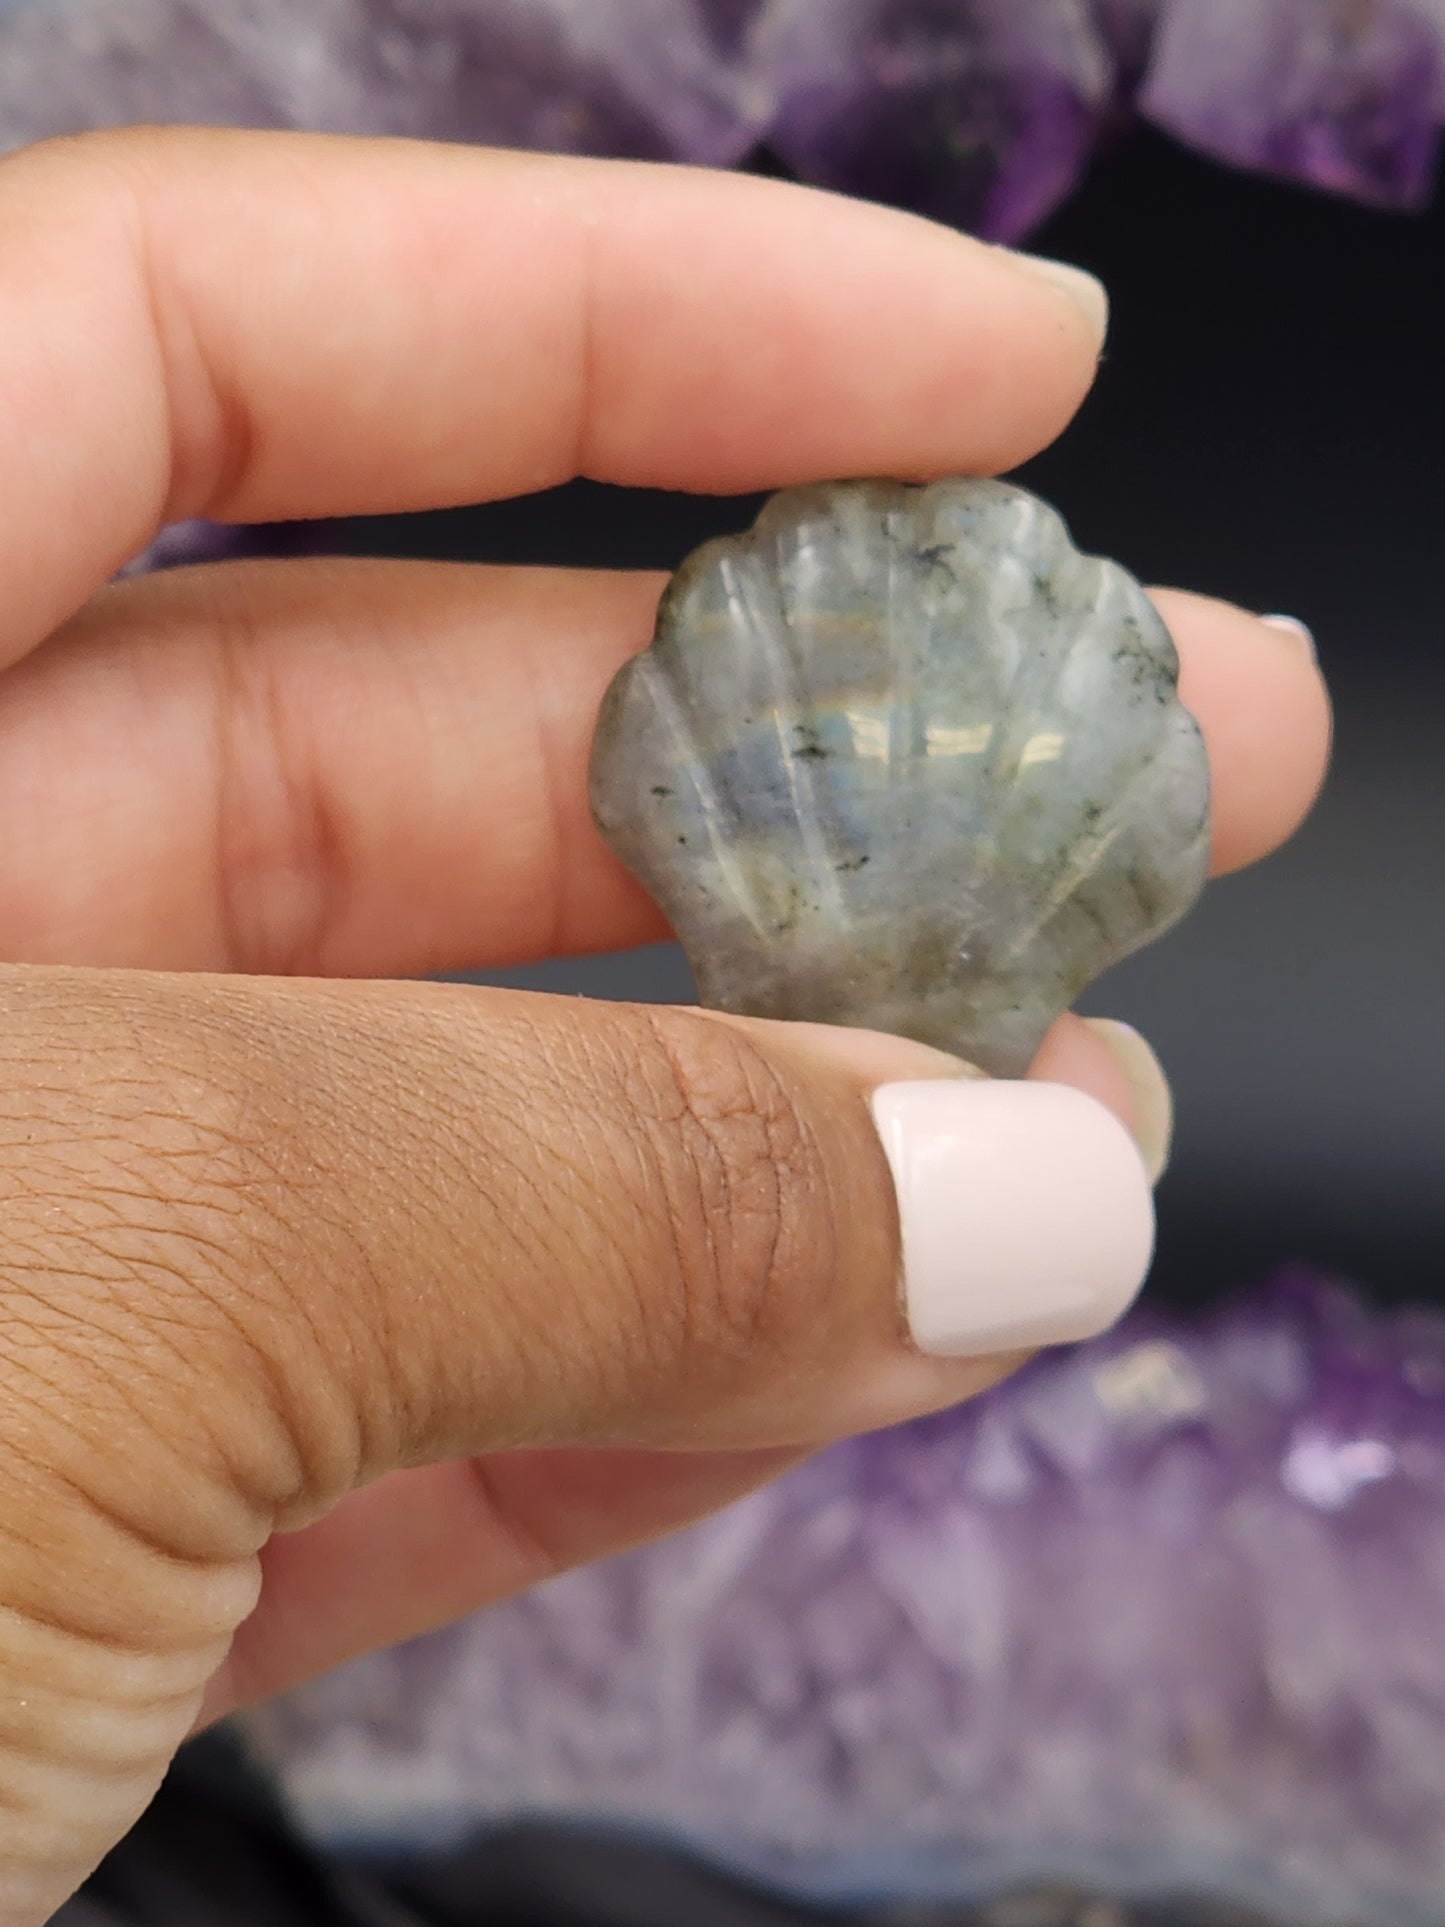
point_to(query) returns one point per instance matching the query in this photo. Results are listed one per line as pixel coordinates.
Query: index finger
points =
(262, 327)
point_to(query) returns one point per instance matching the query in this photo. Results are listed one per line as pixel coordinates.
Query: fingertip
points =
(1075, 1053)
(1261, 701)
(908, 349)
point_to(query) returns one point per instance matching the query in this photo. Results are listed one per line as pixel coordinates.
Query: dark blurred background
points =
(1269, 427)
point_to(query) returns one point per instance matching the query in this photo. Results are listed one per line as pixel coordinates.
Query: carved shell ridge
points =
(902, 757)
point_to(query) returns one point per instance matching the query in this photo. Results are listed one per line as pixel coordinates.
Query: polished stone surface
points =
(902, 758)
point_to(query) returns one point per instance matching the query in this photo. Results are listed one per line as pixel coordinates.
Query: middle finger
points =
(379, 768)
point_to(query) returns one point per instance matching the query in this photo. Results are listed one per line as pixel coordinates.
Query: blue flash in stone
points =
(903, 758)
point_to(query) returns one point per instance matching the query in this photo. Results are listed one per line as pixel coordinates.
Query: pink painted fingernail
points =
(1026, 1213)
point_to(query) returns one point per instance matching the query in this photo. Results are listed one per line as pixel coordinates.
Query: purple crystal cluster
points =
(1163, 1615)
(983, 112)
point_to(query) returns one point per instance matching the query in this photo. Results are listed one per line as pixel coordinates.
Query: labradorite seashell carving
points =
(902, 757)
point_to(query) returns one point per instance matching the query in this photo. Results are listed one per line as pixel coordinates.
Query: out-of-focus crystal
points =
(1343, 94)
(983, 112)
(1162, 1615)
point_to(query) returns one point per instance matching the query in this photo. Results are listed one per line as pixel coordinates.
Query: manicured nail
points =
(1082, 288)
(1148, 1087)
(1292, 626)
(1026, 1213)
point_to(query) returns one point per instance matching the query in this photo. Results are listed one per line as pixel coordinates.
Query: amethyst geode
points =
(1162, 1615)
(984, 112)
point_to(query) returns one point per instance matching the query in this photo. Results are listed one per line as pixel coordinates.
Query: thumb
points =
(267, 1241)
(423, 1547)
(401, 1223)
(524, 1221)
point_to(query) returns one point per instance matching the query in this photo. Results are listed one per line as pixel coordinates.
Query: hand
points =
(332, 1310)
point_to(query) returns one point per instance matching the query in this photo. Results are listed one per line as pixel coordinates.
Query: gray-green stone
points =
(903, 758)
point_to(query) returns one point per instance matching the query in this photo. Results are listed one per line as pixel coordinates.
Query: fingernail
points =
(1292, 626)
(1153, 1102)
(1026, 1214)
(1082, 288)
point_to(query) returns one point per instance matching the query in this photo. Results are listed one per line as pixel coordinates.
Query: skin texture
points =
(332, 1309)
